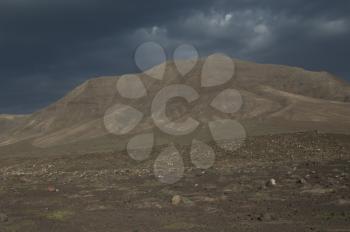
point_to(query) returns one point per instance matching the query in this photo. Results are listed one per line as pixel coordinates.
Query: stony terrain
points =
(290, 182)
(61, 170)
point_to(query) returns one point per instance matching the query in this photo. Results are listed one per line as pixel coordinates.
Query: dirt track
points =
(110, 192)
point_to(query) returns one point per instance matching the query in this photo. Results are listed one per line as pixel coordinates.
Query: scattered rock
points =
(197, 173)
(271, 183)
(157, 205)
(318, 190)
(3, 217)
(211, 209)
(343, 202)
(227, 190)
(343, 174)
(176, 200)
(301, 181)
(265, 217)
(51, 189)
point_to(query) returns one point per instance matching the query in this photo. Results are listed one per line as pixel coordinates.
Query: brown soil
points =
(110, 192)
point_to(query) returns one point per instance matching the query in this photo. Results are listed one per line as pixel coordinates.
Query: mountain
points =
(276, 99)
(10, 122)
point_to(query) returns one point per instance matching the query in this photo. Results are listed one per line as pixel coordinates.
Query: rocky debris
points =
(3, 217)
(318, 190)
(261, 187)
(293, 170)
(265, 217)
(343, 202)
(197, 172)
(343, 174)
(228, 191)
(176, 200)
(271, 183)
(301, 181)
(52, 189)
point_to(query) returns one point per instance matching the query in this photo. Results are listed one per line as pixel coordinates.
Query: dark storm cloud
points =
(47, 47)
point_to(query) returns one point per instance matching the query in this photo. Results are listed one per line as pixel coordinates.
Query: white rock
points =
(271, 182)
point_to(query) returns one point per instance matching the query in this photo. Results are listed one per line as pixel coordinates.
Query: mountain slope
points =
(275, 98)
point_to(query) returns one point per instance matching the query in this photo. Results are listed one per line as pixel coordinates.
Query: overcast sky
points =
(49, 47)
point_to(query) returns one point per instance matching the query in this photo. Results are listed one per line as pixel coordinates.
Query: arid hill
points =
(276, 99)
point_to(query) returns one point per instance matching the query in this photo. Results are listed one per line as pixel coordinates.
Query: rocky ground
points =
(292, 182)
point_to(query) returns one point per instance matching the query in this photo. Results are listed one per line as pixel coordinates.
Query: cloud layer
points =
(48, 47)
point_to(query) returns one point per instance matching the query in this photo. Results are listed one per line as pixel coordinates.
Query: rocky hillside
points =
(276, 99)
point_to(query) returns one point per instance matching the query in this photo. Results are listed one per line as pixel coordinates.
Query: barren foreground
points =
(111, 192)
